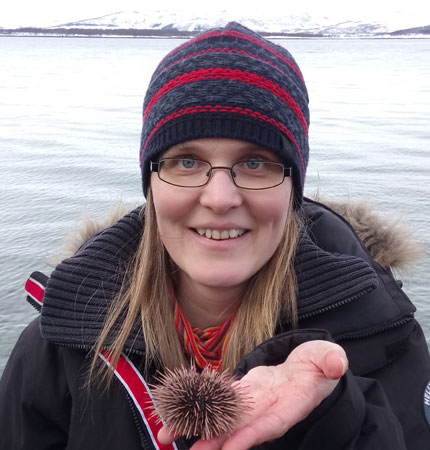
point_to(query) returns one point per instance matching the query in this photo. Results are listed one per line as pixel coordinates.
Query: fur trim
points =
(387, 240)
(87, 228)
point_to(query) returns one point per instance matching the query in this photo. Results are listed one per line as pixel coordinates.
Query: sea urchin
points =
(204, 404)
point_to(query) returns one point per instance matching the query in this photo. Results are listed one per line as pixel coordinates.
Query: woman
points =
(226, 266)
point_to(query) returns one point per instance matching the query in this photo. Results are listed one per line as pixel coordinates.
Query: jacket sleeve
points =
(364, 412)
(35, 403)
(405, 380)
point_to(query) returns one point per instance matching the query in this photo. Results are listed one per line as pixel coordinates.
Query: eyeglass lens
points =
(253, 174)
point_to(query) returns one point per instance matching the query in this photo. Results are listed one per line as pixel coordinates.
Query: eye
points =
(187, 163)
(254, 163)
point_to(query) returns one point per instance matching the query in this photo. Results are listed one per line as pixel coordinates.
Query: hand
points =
(280, 396)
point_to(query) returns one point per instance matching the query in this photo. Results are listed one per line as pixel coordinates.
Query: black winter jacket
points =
(383, 402)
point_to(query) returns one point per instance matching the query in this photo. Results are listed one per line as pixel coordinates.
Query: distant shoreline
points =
(422, 32)
(122, 32)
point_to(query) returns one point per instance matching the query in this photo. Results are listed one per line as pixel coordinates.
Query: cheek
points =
(171, 204)
(273, 210)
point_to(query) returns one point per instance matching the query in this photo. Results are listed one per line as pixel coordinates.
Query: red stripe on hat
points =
(216, 73)
(224, 109)
(35, 290)
(223, 50)
(238, 34)
(140, 393)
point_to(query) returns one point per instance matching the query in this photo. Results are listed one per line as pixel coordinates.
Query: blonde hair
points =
(271, 296)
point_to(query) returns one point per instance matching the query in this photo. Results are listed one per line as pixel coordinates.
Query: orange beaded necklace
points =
(206, 347)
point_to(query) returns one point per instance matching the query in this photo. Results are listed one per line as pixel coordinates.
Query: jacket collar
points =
(81, 288)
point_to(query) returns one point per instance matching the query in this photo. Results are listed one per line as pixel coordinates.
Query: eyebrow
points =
(187, 146)
(183, 147)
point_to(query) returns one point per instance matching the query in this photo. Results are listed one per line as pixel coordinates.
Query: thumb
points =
(166, 436)
(329, 358)
(335, 363)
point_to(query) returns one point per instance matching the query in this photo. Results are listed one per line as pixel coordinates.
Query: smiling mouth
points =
(219, 235)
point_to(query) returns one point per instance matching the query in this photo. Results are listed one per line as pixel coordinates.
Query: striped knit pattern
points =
(232, 83)
(205, 347)
(320, 274)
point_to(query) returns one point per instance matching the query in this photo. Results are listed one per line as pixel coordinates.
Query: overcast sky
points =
(14, 13)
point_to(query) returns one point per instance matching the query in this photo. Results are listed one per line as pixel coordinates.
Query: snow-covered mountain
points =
(283, 23)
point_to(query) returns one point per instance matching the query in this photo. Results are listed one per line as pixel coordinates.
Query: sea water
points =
(70, 118)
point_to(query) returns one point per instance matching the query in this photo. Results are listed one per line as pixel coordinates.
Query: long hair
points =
(270, 296)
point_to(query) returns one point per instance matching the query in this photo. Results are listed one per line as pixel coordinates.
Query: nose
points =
(220, 193)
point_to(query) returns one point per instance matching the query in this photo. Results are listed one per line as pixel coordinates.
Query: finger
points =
(166, 436)
(215, 443)
(266, 428)
(334, 365)
(327, 357)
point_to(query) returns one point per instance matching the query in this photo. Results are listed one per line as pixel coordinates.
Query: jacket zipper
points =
(334, 305)
(397, 323)
(143, 438)
(362, 335)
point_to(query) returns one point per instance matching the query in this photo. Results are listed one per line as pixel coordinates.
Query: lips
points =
(220, 234)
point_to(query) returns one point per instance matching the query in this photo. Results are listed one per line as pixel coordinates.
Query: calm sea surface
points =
(70, 116)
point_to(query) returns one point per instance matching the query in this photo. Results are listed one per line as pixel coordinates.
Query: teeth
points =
(225, 234)
(220, 235)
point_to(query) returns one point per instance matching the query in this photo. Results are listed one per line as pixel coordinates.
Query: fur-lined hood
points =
(386, 239)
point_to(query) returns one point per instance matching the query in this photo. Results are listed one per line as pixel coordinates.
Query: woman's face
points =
(258, 217)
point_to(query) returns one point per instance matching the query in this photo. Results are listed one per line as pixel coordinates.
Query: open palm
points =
(281, 396)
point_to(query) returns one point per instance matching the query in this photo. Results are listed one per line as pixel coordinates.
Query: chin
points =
(225, 279)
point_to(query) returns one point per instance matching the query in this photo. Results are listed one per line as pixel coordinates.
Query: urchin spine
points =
(198, 404)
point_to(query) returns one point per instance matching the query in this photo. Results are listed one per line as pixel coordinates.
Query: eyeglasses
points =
(250, 174)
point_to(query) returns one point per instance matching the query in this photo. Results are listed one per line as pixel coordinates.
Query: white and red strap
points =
(35, 287)
(125, 371)
(137, 388)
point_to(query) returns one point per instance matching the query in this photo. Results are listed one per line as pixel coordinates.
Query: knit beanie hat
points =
(230, 83)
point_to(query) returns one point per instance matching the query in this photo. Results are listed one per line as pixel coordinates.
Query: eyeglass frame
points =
(154, 167)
